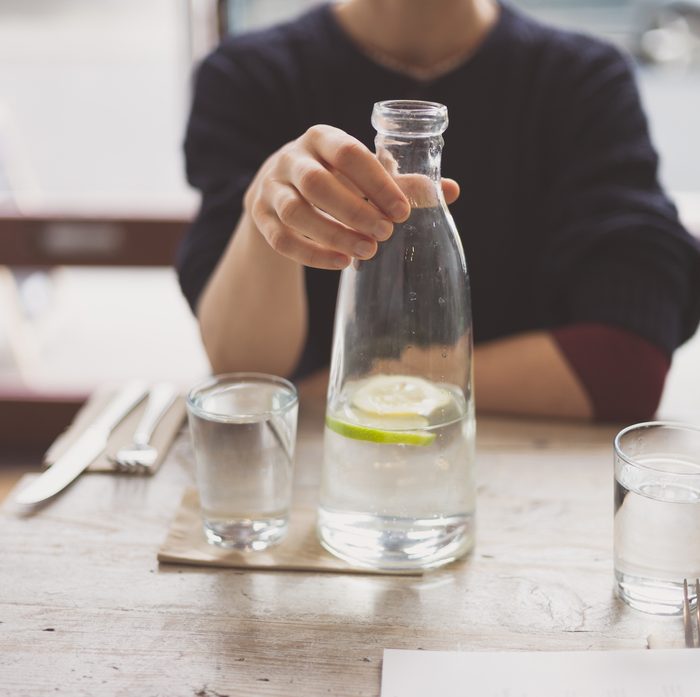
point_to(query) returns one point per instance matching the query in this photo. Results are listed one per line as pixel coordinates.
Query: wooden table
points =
(85, 608)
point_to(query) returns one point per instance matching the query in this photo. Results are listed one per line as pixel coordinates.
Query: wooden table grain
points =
(85, 609)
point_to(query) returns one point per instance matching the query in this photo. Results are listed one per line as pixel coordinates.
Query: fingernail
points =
(383, 229)
(340, 262)
(363, 249)
(399, 210)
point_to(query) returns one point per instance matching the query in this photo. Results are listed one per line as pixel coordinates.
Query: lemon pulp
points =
(399, 395)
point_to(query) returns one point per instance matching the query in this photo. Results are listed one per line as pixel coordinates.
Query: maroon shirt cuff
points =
(622, 373)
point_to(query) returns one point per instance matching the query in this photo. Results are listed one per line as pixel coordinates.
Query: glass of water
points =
(657, 514)
(243, 430)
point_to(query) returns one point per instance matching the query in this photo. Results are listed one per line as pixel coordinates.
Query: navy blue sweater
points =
(561, 215)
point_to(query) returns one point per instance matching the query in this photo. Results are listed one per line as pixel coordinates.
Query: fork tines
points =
(691, 620)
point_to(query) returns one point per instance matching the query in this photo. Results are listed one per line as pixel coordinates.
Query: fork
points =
(690, 618)
(141, 454)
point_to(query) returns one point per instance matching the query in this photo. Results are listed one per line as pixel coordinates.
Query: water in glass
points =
(243, 435)
(657, 517)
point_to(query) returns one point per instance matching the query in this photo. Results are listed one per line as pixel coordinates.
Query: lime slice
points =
(405, 422)
(399, 395)
(377, 435)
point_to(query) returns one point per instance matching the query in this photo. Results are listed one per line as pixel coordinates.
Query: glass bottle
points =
(398, 487)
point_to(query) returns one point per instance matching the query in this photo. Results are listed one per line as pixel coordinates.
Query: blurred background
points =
(93, 100)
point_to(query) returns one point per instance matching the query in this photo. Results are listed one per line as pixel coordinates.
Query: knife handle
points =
(129, 396)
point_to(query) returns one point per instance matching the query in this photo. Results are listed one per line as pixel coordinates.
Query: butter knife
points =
(85, 448)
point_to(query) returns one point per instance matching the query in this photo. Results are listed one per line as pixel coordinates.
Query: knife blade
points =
(85, 448)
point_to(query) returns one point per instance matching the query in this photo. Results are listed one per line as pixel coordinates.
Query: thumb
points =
(450, 189)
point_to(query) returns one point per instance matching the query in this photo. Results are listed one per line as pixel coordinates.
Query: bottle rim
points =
(409, 117)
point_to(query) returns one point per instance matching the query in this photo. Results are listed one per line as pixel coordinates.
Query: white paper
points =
(639, 673)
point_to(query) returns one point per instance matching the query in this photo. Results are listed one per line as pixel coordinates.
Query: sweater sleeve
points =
(236, 121)
(615, 253)
(622, 373)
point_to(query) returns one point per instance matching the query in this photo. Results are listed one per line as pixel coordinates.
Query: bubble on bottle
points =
(441, 302)
(442, 464)
(412, 296)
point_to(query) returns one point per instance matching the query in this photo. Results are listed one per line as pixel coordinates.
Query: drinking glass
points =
(657, 514)
(243, 430)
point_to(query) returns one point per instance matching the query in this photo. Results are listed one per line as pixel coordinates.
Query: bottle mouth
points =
(408, 117)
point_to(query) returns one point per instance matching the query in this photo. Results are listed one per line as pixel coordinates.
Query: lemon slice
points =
(377, 435)
(399, 396)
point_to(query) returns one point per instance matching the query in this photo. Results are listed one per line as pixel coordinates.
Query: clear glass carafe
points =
(398, 486)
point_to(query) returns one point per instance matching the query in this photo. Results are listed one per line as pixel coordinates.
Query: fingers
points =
(298, 215)
(353, 160)
(322, 189)
(420, 190)
(291, 244)
(295, 229)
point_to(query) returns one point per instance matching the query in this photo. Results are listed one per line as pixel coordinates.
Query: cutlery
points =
(691, 620)
(141, 454)
(85, 448)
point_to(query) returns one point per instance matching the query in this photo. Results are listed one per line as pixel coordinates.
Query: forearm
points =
(528, 375)
(318, 201)
(253, 311)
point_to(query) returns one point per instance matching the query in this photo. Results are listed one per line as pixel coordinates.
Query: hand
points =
(325, 198)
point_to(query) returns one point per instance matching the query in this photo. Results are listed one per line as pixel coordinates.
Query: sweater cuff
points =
(622, 373)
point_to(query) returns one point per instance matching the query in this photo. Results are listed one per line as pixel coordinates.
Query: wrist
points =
(250, 244)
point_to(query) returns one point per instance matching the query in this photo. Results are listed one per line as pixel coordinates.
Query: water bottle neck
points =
(414, 163)
(409, 145)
